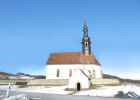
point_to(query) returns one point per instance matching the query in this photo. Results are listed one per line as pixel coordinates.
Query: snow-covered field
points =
(103, 91)
(17, 97)
(16, 77)
(38, 89)
(110, 91)
(20, 77)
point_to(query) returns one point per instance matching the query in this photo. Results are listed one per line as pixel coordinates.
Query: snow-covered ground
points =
(25, 77)
(110, 91)
(103, 91)
(20, 77)
(17, 97)
(38, 89)
(16, 77)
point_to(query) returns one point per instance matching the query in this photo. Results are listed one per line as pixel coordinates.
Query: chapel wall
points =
(64, 70)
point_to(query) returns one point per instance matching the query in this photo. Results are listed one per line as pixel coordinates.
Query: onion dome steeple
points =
(86, 49)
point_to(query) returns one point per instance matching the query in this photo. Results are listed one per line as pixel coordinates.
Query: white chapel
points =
(77, 67)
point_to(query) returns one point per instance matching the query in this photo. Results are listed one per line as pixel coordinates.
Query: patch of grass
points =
(94, 86)
(137, 85)
(23, 86)
(21, 83)
(4, 84)
(70, 89)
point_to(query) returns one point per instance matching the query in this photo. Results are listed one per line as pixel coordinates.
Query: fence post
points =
(8, 90)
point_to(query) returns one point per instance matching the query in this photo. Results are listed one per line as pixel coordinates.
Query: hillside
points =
(7, 74)
(20, 75)
(121, 79)
(4, 75)
(34, 76)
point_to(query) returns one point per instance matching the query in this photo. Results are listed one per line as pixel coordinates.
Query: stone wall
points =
(58, 82)
(50, 82)
(105, 81)
(12, 81)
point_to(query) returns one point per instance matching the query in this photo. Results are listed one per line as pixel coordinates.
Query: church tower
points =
(86, 49)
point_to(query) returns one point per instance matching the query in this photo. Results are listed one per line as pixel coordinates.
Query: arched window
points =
(57, 73)
(70, 73)
(89, 71)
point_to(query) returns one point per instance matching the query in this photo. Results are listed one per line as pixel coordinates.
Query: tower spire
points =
(85, 29)
(84, 20)
(86, 49)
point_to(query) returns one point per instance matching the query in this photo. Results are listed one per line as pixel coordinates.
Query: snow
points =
(25, 77)
(13, 77)
(17, 97)
(110, 91)
(16, 77)
(38, 89)
(103, 91)
(20, 77)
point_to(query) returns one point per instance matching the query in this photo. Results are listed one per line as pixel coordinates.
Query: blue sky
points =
(31, 29)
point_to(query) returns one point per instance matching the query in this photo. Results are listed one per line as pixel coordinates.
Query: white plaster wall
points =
(79, 77)
(51, 70)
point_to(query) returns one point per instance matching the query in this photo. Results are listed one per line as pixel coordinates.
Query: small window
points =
(57, 73)
(70, 73)
(86, 44)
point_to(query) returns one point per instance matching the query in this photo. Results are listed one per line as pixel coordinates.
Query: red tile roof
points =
(72, 58)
